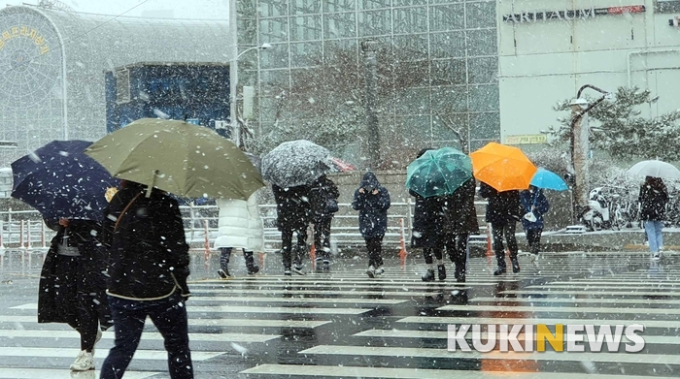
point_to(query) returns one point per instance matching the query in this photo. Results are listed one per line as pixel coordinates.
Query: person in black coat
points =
(502, 212)
(148, 266)
(372, 200)
(72, 285)
(458, 222)
(653, 198)
(293, 215)
(323, 199)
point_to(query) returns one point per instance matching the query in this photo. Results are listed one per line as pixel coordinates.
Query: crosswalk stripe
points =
(535, 321)
(402, 293)
(373, 285)
(338, 281)
(413, 352)
(204, 337)
(298, 324)
(434, 334)
(43, 352)
(592, 293)
(615, 301)
(310, 300)
(279, 370)
(36, 373)
(626, 283)
(541, 309)
(596, 288)
(252, 309)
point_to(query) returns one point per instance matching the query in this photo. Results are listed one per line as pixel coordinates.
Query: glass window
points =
(445, 129)
(276, 57)
(339, 5)
(305, 54)
(410, 74)
(375, 23)
(305, 7)
(406, 3)
(305, 28)
(446, 100)
(247, 31)
(340, 25)
(410, 20)
(448, 72)
(417, 127)
(411, 47)
(447, 17)
(274, 80)
(274, 30)
(481, 42)
(484, 98)
(445, 1)
(268, 109)
(485, 125)
(480, 15)
(483, 70)
(374, 4)
(449, 44)
(272, 8)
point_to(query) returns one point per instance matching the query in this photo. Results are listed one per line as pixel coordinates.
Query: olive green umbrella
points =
(181, 158)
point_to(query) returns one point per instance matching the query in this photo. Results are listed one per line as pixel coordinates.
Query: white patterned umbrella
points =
(295, 163)
(657, 169)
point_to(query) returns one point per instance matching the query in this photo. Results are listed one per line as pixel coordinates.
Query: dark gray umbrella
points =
(295, 163)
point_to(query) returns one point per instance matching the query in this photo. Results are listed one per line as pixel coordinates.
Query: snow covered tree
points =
(617, 127)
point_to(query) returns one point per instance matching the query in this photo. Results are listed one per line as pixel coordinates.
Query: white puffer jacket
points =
(240, 225)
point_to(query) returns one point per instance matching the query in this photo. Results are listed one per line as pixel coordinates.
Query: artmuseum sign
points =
(568, 15)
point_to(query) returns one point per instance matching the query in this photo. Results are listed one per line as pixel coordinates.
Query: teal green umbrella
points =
(438, 172)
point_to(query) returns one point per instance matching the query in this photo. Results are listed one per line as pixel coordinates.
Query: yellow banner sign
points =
(526, 139)
(27, 32)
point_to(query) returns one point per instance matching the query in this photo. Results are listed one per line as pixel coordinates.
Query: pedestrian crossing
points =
(343, 324)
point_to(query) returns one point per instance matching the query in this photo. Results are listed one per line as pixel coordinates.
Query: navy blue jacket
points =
(372, 208)
(542, 206)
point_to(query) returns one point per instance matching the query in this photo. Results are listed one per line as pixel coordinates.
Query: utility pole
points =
(371, 78)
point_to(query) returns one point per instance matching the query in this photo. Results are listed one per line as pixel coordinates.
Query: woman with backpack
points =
(653, 198)
(323, 199)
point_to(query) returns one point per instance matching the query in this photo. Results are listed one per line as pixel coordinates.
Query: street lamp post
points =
(580, 147)
(371, 78)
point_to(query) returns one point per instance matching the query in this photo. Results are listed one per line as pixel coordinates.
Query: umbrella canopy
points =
(657, 169)
(181, 158)
(338, 165)
(502, 167)
(438, 172)
(548, 180)
(60, 181)
(295, 163)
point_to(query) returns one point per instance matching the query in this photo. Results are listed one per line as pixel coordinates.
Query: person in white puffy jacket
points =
(240, 227)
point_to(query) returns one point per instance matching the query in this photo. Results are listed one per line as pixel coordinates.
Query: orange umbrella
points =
(502, 167)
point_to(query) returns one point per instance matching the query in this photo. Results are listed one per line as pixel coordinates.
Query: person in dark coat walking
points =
(148, 270)
(293, 215)
(653, 198)
(73, 285)
(533, 201)
(372, 200)
(323, 199)
(502, 212)
(458, 222)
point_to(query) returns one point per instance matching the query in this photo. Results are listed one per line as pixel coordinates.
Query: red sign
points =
(628, 9)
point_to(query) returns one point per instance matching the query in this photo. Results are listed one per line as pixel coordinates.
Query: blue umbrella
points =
(548, 180)
(438, 172)
(59, 180)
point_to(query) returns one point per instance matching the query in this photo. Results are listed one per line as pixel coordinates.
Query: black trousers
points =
(374, 246)
(534, 240)
(508, 231)
(225, 255)
(87, 322)
(429, 252)
(322, 237)
(287, 246)
(456, 247)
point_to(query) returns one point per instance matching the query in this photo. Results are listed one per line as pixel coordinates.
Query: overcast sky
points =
(195, 9)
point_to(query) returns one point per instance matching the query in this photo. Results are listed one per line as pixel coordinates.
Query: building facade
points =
(447, 47)
(548, 50)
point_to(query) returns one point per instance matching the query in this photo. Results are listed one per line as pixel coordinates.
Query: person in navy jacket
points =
(372, 200)
(533, 200)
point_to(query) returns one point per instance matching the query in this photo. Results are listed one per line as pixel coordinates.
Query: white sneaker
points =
(371, 272)
(656, 256)
(379, 271)
(84, 362)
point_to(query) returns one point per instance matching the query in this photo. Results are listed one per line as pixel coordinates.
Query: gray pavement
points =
(345, 325)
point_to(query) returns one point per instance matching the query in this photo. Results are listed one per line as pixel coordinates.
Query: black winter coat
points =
(148, 255)
(503, 208)
(653, 203)
(460, 215)
(293, 210)
(321, 192)
(68, 283)
(427, 217)
(372, 208)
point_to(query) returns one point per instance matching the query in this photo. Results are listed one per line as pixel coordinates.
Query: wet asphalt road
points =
(345, 325)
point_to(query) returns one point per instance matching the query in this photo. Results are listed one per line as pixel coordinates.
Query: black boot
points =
(460, 273)
(225, 254)
(500, 258)
(515, 264)
(441, 272)
(250, 263)
(286, 256)
(429, 276)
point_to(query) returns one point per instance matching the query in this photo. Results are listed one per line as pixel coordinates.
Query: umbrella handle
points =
(150, 187)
